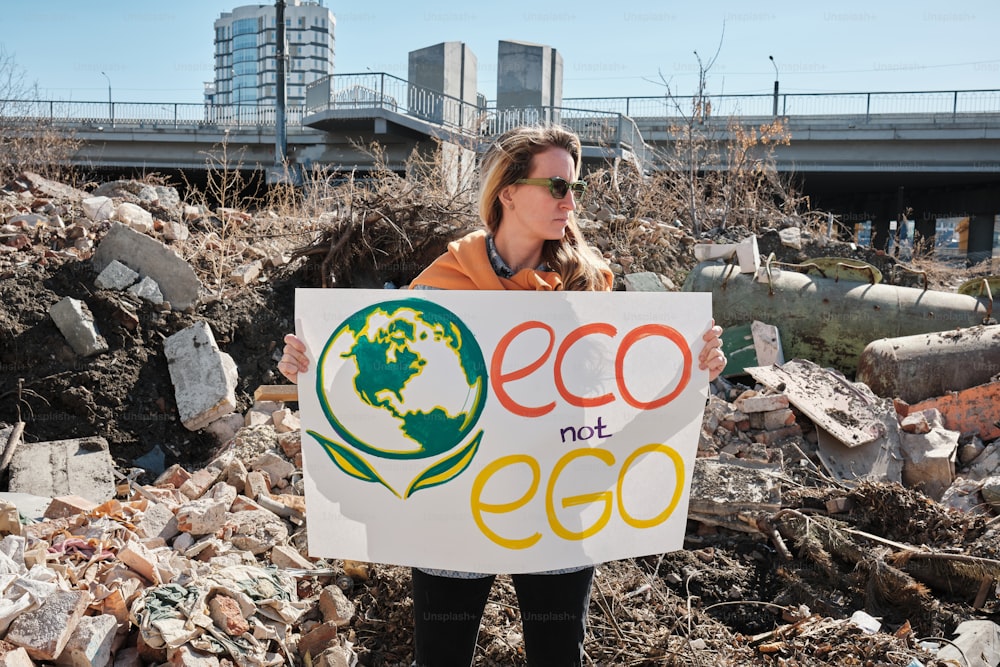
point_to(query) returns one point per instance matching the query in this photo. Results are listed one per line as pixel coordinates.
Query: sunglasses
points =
(559, 187)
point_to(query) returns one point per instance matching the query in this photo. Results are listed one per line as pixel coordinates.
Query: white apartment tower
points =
(246, 45)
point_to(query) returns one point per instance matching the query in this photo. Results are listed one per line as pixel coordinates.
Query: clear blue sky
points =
(162, 51)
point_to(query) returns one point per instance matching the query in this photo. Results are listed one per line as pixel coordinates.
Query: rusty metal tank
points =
(922, 366)
(827, 321)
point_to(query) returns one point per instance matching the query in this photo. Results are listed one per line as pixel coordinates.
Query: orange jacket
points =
(466, 265)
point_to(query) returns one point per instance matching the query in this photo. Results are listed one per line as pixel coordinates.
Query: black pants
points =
(447, 613)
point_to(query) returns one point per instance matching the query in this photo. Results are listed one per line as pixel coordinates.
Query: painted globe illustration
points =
(402, 379)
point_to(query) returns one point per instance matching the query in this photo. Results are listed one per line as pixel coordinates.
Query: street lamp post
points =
(111, 108)
(774, 110)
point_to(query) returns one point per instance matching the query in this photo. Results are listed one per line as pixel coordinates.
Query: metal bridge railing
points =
(942, 103)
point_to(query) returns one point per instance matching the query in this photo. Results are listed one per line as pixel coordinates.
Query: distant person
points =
(527, 202)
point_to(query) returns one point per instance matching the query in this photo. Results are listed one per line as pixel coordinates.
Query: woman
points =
(527, 201)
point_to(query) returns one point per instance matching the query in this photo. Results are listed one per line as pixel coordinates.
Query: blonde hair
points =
(507, 160)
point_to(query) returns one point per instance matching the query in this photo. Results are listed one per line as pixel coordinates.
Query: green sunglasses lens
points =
(560, 187)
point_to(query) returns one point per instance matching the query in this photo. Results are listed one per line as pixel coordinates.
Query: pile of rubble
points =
(832, 495)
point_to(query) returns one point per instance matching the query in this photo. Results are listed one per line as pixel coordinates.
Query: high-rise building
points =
(246, 48)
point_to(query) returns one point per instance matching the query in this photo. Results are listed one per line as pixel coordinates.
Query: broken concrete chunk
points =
(74, 320)
(335, 606)
(284, 556)
(45, 631)
(91, 642)
(135, 217)
(929, 460)
(115, 276)
(202, 517)
(147, 289)
(79, 466)
(98, 209)
(246, 273)
(177, 280)
(204, 378)
(275, 466)
(157, 521)
(175, 231)
(256, 531)
(721, 491)
(767, 344)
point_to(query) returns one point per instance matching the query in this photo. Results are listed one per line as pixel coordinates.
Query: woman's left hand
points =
(711, 357)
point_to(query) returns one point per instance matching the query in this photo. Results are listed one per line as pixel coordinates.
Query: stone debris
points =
(149, 257)
(185, 570)
(76, 323)
(204, 377)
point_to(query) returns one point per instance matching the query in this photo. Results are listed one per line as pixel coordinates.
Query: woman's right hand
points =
(293, 360)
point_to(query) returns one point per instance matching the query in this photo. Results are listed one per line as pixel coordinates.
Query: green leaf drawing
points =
(446, 469)
(351, 462)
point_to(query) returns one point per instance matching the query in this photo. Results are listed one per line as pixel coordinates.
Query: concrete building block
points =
(147, 289)
(44, 632)
(149, 257)
(448, 68)
(528, 75)
(98, 209)
(204, 378)
(115, 276)
(78, 466)
(90, 644)
(74, 320)
(929, 460)
(135, 216)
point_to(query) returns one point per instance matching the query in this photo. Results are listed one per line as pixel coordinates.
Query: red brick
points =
(226, 614)
(65, 506)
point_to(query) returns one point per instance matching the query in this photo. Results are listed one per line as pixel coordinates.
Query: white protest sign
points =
(499, 431)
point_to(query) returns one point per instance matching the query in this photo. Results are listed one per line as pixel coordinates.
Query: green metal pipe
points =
(826, 321)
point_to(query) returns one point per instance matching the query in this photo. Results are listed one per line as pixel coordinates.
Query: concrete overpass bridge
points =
(861, 154)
